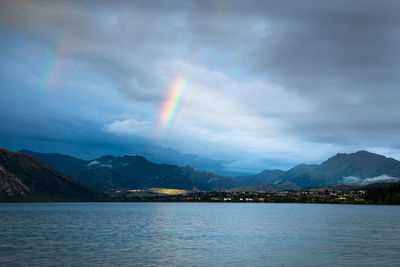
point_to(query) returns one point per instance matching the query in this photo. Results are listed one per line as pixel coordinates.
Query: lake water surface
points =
(198, 234)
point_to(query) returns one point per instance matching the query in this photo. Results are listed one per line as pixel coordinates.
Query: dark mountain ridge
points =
(136, 172)
(265, 176)
(24, 178)
(133, 172)
(360, 165)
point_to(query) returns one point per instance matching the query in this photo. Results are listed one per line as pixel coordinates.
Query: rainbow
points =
(173, 102)
(51, 68)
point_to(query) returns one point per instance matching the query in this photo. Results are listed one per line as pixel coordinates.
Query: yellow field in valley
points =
(167, 191)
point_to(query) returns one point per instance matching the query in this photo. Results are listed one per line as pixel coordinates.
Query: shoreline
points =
(226, 202)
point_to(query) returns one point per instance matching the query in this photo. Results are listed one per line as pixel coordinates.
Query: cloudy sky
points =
(227, 86)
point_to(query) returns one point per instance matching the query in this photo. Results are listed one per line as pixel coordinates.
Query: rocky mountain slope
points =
(24, 178)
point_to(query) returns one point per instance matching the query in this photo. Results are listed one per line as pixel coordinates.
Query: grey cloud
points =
(343, 59)
(336, 62)
(124, 41)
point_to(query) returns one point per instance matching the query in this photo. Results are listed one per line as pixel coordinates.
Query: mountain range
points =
(133, 172)
(33, 176)
(136, 172)
(362, 167)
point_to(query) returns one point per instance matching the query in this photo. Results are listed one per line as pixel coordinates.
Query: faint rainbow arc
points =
(51, 62)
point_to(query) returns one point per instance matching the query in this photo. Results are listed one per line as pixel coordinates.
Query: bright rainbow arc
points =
(173, 102)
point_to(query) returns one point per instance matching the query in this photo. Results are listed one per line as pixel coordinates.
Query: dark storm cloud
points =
(299, 77)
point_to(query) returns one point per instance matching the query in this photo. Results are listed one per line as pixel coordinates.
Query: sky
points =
(232, 87)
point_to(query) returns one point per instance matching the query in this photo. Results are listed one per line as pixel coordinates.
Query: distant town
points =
(383, 193)
(300, 196)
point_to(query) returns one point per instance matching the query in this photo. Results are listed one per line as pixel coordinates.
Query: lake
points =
(198, 234)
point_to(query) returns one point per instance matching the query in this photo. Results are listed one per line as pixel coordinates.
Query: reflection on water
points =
(198, 234)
